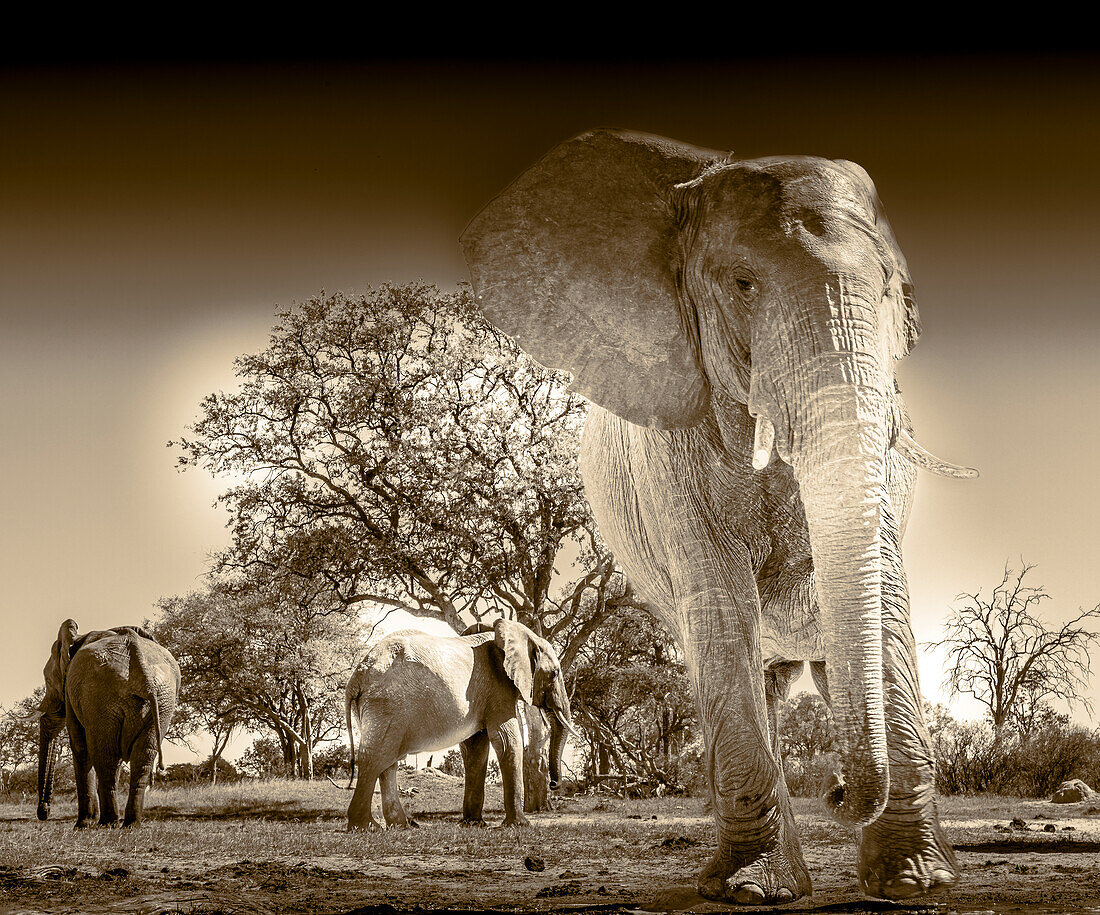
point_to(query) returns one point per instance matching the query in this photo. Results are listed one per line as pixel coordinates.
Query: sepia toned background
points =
(153, 219)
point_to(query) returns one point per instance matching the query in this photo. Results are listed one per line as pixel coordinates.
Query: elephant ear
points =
(576, 260)
(907, 324)
(57, 667)
(516, 642)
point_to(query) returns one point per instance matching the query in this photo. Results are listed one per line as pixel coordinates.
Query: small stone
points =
(1017, 823)
(534, 864)
(1050, 827)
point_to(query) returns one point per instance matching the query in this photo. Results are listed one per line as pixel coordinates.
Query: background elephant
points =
(116, 690)
(415, 693)
(718, 310)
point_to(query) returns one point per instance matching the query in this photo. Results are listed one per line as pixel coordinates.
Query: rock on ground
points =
(1072, 791)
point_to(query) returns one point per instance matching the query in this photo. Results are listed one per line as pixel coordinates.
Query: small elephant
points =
(116, 691)
(748, 459)
(415, 692)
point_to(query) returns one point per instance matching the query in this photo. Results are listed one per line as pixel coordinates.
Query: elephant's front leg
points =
(508, 743)
(904, 853)
(475, 761)
(759, 859)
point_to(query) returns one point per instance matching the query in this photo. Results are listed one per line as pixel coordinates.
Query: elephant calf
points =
(415, 692)
(116, 691)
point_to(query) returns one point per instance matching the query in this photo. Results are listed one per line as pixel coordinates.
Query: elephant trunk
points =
(557, 749)
(835, 427)
(48, 732)
(843, 500)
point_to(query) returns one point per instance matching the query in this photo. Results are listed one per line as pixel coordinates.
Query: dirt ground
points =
(281, 847)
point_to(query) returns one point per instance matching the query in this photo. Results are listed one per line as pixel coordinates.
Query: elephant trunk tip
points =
(856, 809)
(43, 811)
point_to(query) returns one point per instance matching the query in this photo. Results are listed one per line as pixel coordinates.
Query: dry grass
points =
(282, 846)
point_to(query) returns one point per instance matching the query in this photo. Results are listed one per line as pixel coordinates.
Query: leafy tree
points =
(631, 698)
(263, 759)
(267, 652)
(1003, 654)
(452, 764)
(421, 461)
(805, 727)
(19, 737)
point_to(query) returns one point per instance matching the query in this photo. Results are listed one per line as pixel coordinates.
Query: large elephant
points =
(116, 691)
(415, 692)
(718, 311)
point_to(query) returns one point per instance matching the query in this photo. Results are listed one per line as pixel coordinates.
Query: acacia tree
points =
(263, 653)
(1000, 652)
(19, 736)
(428, 463)
(631, 698)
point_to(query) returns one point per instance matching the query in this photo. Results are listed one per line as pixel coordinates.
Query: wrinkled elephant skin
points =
(415, 692)
(116, 691)
(748, 458)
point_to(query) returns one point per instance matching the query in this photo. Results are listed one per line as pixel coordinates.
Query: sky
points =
(153, 219)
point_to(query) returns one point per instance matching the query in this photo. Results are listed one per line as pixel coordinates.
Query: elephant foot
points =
(472, 823)
(407, 823)
(903, 865)
(85, 822)
(518, 821)
(771, 879)
(43, 811)
(370, 825)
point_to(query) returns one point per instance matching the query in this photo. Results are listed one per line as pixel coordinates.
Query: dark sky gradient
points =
(151, 220)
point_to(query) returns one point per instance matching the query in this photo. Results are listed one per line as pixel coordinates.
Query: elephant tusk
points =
(565, 723)
(763, 440)
(909, 449)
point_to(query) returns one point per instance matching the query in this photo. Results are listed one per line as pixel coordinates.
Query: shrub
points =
(971, 759)
(452, 764)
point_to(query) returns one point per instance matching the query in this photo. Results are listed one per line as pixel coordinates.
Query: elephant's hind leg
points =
(142, 758)
(379, 749)
(106, 773)
(392, 808)
(87, 808)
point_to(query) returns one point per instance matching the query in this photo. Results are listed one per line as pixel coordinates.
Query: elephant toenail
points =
(902, 888)
(748, 894)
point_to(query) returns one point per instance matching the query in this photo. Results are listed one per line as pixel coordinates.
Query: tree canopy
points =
(1005, 656)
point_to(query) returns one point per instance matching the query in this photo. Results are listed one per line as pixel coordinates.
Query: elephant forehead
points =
(781, 192)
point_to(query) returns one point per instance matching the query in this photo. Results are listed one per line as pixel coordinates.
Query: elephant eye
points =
(746, 285)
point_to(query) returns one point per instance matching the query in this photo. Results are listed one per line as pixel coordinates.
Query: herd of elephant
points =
(413, 692)
(750, 462)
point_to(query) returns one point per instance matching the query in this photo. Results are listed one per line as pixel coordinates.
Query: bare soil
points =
(281, 847)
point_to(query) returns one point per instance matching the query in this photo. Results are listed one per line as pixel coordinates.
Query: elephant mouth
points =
(904, 444)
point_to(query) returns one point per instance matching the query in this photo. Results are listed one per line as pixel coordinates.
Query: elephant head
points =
(532, 665)
(52, 709)
(678, 284)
